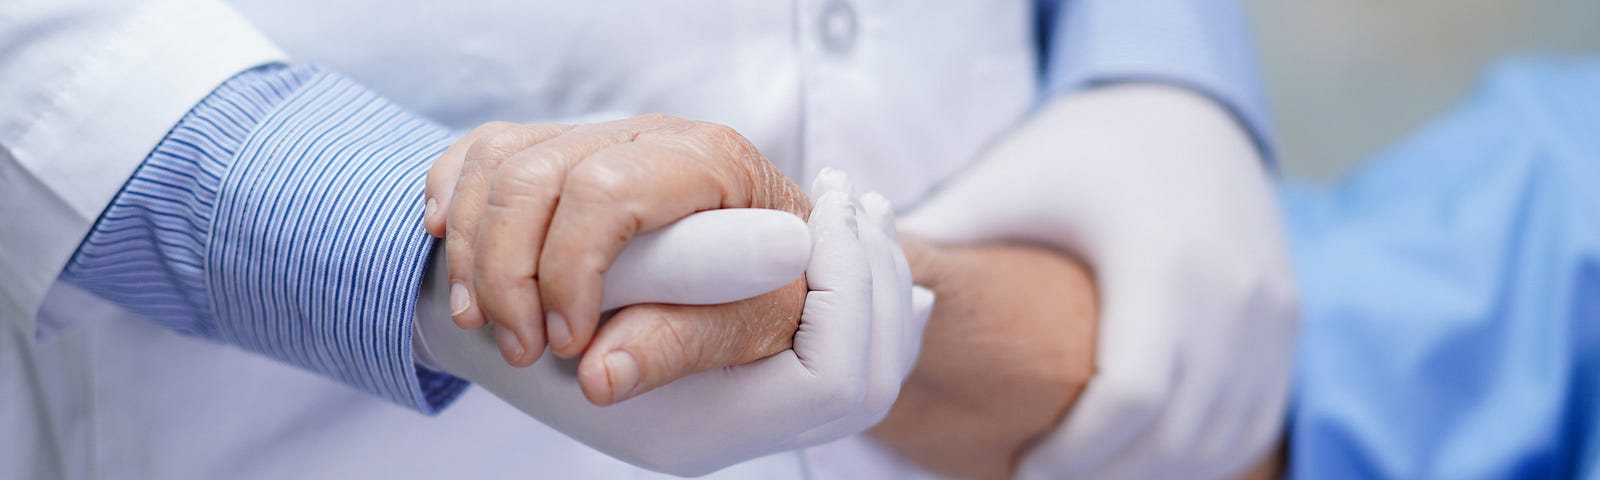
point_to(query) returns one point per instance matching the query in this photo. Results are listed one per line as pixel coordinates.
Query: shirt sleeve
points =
(283, 215)
(89, 87)
(1202, 45)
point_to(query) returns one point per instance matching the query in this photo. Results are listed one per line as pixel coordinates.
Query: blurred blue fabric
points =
(1451, 292)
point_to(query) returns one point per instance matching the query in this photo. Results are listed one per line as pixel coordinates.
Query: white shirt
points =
(898, 93)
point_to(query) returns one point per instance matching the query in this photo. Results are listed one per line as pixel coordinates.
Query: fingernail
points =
(459, 299)
(430, 209)
(510, 346)
(624, 373)
(556, 326)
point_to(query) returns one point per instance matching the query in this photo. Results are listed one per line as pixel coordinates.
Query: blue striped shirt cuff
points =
(1202, 45)
(282, 214)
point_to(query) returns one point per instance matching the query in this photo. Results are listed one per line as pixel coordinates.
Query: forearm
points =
(1166, 197)
(1008, 351)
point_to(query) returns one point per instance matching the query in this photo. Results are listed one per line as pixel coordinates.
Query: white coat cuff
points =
(98, 119)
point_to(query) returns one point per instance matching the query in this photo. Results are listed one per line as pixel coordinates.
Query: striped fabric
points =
(282, 215)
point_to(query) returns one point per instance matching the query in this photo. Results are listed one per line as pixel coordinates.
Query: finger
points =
(711, 257)
(831, 180)
(894, 297)
(465, 208)
(621, 192)
(647, 346)
(891, 302)
(522, 195)
(832, 341)
(441, 182)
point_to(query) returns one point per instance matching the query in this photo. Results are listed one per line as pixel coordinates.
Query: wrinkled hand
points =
(857, 339)
(533, 217)
(1008, 349)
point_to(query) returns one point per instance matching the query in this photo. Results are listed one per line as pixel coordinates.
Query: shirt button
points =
(838, 27)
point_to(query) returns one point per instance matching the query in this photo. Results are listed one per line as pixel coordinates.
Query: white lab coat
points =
(901, 94)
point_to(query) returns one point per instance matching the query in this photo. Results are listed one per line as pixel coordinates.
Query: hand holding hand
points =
(857, 339)
(534, 216)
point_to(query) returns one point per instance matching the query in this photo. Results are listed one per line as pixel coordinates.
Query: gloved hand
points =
(1167, 199)
(532, 216)
(857, 339)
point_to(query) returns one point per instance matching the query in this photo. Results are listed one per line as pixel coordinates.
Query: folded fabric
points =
(1451, 292)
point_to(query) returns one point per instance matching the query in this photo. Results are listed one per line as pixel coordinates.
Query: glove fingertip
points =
(830, 180)
(881, 212)
(833, 210)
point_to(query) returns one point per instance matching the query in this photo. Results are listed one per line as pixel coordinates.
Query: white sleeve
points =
(90, 86)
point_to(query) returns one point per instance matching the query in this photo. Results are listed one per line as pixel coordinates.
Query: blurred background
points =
(1346, 78)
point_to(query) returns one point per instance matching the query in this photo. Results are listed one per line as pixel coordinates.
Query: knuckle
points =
(487, 278)
(674, 350)
(458, 235)
(656, 117)
(497, 144)
(525, 181)
(494, 274)
(489, 149)
(600, 182)
(723, 138)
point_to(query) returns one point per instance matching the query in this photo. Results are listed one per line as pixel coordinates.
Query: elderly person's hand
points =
(857, 339)
(533, 216)
(1008, 349)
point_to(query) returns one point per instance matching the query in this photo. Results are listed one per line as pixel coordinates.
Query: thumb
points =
(646, 346)
(707, 258)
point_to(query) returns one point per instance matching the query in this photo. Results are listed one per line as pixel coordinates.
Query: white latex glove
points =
(858, 338)
(1168, 200)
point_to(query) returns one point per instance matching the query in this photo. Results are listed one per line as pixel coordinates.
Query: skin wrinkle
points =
(675, 343)
(769, 329)
(609, 186)
(721, 159)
